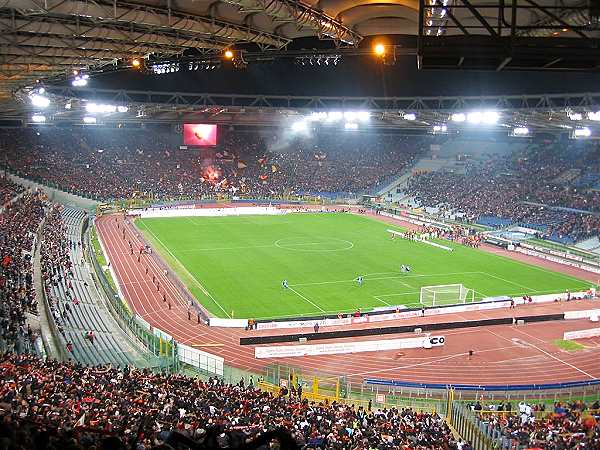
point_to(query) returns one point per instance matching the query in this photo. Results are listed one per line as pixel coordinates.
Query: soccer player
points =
(402, 268)
(360, 280)
(284, 284)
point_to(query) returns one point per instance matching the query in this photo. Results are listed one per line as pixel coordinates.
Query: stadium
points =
(299, 225)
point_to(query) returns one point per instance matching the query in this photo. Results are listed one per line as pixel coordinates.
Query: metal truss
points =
(47, 37)
(316, 103)
(549, 113)
(302, 16)
(144, 18)
(507, 35)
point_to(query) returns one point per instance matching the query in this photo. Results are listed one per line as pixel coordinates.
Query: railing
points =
(165, 351)
(471, 429)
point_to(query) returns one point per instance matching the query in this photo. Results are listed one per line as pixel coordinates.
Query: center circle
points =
(314, 245)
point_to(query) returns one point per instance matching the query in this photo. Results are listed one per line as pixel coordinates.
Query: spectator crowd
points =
(125, 163)
(19, 223)
(573, 425)
(142, 410)
(523, 188)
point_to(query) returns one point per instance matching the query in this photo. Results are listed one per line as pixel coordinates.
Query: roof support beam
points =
(303, 16)
(151, 18)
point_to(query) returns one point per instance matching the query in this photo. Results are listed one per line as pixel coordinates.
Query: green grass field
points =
(236, 265)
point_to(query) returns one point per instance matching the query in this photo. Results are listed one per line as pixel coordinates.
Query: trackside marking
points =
(196, 281)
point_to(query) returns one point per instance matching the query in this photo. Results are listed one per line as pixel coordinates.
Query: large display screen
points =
(199, 134)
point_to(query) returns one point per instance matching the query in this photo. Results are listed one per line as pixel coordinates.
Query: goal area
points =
(446, 294)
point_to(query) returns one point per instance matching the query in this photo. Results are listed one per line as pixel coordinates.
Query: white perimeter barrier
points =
(415, 313)
(282, 351)
(208, 212)
(227, 323)
(559, 260)
(581, 334)
(202, 360)
(587, 314)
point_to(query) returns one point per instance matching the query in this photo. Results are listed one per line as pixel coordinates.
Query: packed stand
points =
(497, 186)
(125, 163)
(19, 223)
(8, 191)
(144, 409)
(573, 425)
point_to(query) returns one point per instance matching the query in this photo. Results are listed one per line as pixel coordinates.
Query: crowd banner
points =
(581, 334)
(227, 323)
(285, 351)
(201, 360)
(586, 314)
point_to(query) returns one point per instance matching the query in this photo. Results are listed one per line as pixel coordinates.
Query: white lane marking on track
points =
(197, 282)
(445, 358)
(550, 355)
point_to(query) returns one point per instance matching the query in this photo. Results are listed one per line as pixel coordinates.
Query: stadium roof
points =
(40, 38)
(546, 113)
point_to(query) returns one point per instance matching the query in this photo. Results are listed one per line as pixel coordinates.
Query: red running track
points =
(502, 354)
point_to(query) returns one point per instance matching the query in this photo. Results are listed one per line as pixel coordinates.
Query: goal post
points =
(446, 294)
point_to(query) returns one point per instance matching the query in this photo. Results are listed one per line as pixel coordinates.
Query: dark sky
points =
(358, 76)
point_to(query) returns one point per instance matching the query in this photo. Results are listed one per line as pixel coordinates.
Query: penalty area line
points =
(303, 297)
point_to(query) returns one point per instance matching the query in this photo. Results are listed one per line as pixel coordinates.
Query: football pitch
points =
(235, 265)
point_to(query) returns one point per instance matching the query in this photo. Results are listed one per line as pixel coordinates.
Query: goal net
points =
(446, 294)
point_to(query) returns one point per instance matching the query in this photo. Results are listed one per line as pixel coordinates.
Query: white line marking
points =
(208, 249)
(387, 278)
(382, 301)
(396, 295)
(302, 296)
(508, 281)
(197, 282)
(529, 344)
(433, 361)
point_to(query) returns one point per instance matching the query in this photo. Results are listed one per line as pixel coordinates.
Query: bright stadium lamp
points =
(595, 116)
(89, 120)
(490, 117)
(318, 116)
(122, 109)
(520, 131)
(299, 126)
(379, 49)
(350, 116)
(351, 126)
(332, 116)
(38, 118)
(40, 101)
(575, 116)
(363, 116)
(582, 133)
(458, 117)
(409, 116)
(474, 117)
